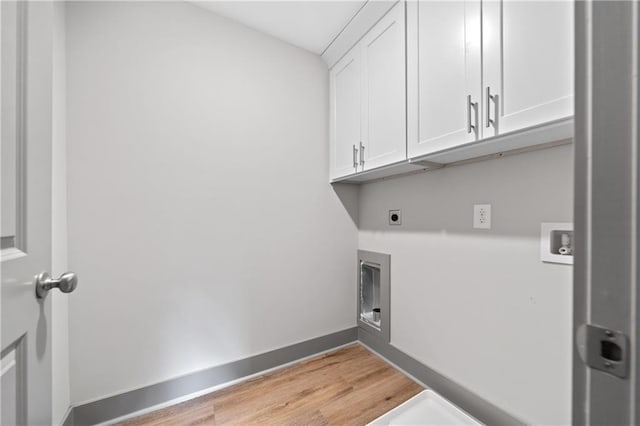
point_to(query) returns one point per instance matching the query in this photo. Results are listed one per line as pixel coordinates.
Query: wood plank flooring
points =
(350, 386)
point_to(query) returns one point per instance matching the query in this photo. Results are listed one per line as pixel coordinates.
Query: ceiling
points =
(311, 25)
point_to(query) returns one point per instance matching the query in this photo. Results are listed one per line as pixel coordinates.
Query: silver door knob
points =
(66, 283)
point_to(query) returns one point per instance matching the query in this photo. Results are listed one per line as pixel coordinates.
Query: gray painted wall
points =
(478, 306)
(200, 219)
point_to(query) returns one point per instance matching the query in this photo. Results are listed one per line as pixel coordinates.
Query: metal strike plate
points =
(607, 350)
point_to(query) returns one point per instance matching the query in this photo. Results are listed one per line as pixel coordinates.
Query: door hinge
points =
(604, 349)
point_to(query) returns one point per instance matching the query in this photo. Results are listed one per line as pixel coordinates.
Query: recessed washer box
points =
(374, 279)
(556, 242)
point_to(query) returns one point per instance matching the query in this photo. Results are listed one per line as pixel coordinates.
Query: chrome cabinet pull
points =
(471, 127)
(490, 98)
(361, 155)
(355, 157)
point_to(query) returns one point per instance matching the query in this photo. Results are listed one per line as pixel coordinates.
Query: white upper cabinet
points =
(444, 74)
(483, 68)
(384, 91)
(345, 82)
(367, 100)
(528, 63)
(434, 82)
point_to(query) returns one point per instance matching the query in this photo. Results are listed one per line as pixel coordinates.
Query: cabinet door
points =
(345, 86)
(528, 63)
(384, 91)
(444, 70)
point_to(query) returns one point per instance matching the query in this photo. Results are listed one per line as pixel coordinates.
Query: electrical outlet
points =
(395, 217)
(482, 216)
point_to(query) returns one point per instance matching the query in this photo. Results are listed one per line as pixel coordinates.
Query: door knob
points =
(66, 283)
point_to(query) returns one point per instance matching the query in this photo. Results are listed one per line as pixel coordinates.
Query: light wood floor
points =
(350, 386)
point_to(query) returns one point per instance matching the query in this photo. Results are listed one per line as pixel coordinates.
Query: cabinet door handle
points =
(355, 158)
(471, 127)
(490, 98)
(361, 156)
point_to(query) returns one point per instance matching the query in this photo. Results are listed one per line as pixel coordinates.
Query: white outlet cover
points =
(482, 216)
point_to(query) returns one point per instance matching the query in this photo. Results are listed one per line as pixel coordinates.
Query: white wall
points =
(201, 223)
(203, 229)
(60, 316)
(479, 306)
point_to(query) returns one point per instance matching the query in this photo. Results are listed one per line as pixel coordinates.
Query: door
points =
(607, 215)
(444, 69)
(26, 85)
(384, 92)
(527, 63)
(345, 82)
